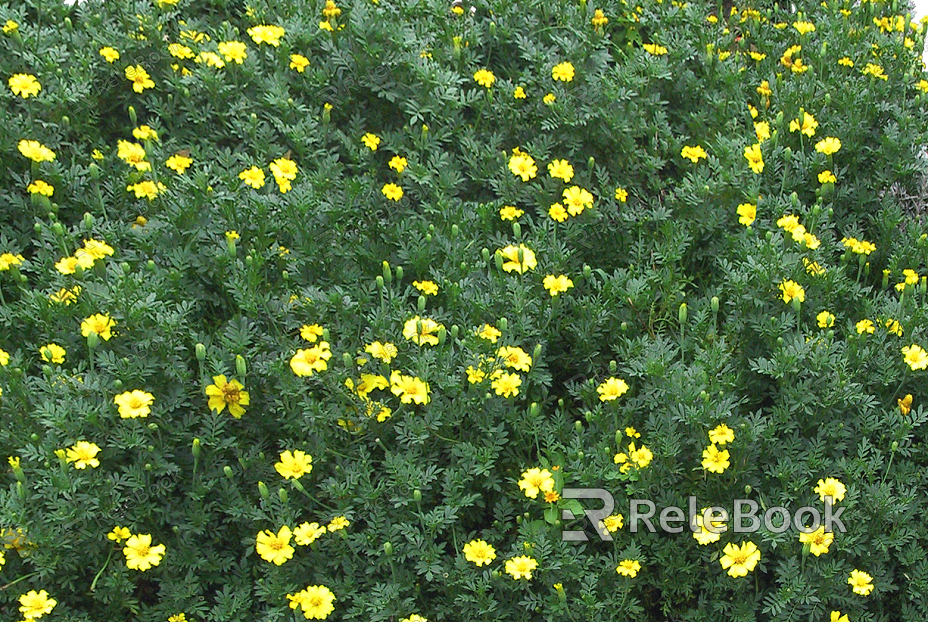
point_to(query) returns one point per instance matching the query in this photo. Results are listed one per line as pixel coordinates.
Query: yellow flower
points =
(837, 617)
(10, 26)
(25, 85)
(119, 534)
(224, 393)
(828, 145)
(34, 605)
(549, 98)
(515, 357)
(706, 536)
(140, 554)
(409, 389)
(422, 331)
(371, 141)
(628, 568)
(307, 533)
(284, 171)
(398, 163)
(97, 249)
(905, 404)
(382, 351)
(233, 51)
(53, 353)
(805, 124)
(754, 157)
(211, 59)
(331, 10)
(865, 326)
(825, 319)
(40, 187)
(179, 50)
(523, 165)
(9, 260)
(146, 189)
(139, 78)
(488, 332)
(132, 153)
(83, 455)
(307, 361)
(66, 296)
(253, 177)
(563, 72)
(178, 163)
(275, 548)
(747, 213)
(792, 289)
(506, 384)
(613, 523)
(803, 27)
(133, 404)
(298, 62)
(326, 25)
(818, 540)
(561, 169)
(484, 77)
(479, 552)
(294, 465)
(145, 132)
(521, 567)
(557, 284)
(721, 434)
(872, 69)
(100, 324)
(740, 559)
(764, 88)
(576, 199)
(915, 357)
(599, 19)
(827, 177)
(714, 460)
(621, 195)
(893, 326)
(338, 523)
(266, 34)
(536, 480)
(611, 389)
(311, 332)
(510, 212)
(557, 212)
(428, 288)
(830, 487)
(519, 93)
(392, 192)
(762, 131)
(693, 153)
(35, 151)
(316, 601)
(654, 49)
(860, 582)
(518, 259)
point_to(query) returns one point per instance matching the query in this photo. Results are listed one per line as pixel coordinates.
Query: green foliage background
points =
(805, 403)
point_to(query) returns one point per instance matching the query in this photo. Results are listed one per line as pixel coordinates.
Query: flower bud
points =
(715, 304)
(442, 335)
(894, 446)
(587, 271)
(149, 467)
(20, 490)
(379, 282)
(485, 253)
(578, 426)
(747, 489)
(228, 471)
(262, 488)
(455, 231)
(132, 116)
(623, 327)
(346, 359)
(150, 265)
(326, 335)
(93, 340)
(388, 548)
(534, 409)
(499, 261)
(454, 331)
(249, 260)
(503, 324)
(231, 247)
(682, 314)
(283, 495)
(46, 370)
(492, 29)
(57, 228)
(613, 366)
(387, 273)
(200, 350)
(88, 220)
(420, 304)
(536, 353)
(399, 273)
(591, 162)
(417, 495)
(37, 227)
(195, 448)
(240, 367)
(516, 230)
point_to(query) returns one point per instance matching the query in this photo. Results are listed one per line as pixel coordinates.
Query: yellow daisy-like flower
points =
(178, 163)
(392, 192)
(35, 151)
(233, 51)
(621, 195)
(721, 435)
(253, 177)
(523, 166)
(747, 214)
(311, 332)
(557, 284)
(266, 34)
(298, 62)
(558, 213)
(307, 533)
(563, 72)
(791, 289)
(479, 552)
(715, 460)
(25, 85)
(561, 169)
(100, 324)
(805, 124)
(754, 157)
(294, 465)
(139, 78)
(654, 49)
(830, 487)
(422, 331)
(428, 288)
(536, 480)
(827, 177)
(825, 319)
(140, 554)
(693, 154)
(316, 602)
(229, 393)
(828, 145)
(83, 455)
(865, 326)
(705, 535)
(484, 77)
(519, 93)
(109, 54)
(915, 357)
(371, 141)
(488, 332)
(510, 212)
(385, 352)
(519, 259)
(515, 357)
(905, 404)
(818, 540)
(34, 605)
(146, 189)
(275, 548)
(40, 187)
(576, 199)
(119, 534)
(410, 389)
(521, 567)
(398, 163)
(611, 389)
(628, 568)
(506, 384)
(134, 404)
(739, 560)
(310, 360)
(861, 582)
(52, 353)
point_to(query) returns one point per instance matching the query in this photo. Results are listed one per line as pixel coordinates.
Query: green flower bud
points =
(148, 466)
(454, 331)
(132, 116)
(587, 271)
(516, 230)
(623, 327)
(57, 228)
(420, 304)
(748, 489)
(285, 275)
(442, 335)
(249, 260)
(88, 220)
(37, 227)
(228, 471)
(387, 273)
(485, 253)
(262, 488)
(682, 313)
(578, 426)
(379, 282)
(417, 495)
(283, 495)
(240, 367)
(388, 548)
(613, 366)
(46, 370)
(503, 324)
(195, 448)
(455, 231)
(150, 265)
(492, 29)
(200, 351)
(536, 353)
(534, 409)
(499, 261)
(346, 359)
(715, 304)
(93, 340)
(591, 162)
(326, 336)
(399, 273)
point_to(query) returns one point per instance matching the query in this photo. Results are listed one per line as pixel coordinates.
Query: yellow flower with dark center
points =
(233, 51)
(307, 361)
(693, 153)
(34, 605)
(557, 284)
(747, 213)
(628, 568)
(392, 192)
(518, 259)
(253, 177)
(266, 34)
(484, 77)
(294, 465)
(741, 559)
(223, 393)
(818, 540)
(140, 554)
(53, 353)
(35, 151)
(754, 157)
(299, 62)
(275, 548)
(715, 460)
(791, 289)
(611, 389)
(521, 567)
(100, 324)
(861, 582)
(563, 72)
(479, 552)
(83, 455)
(410, 389)
(139, 78)
(40, 187)
(134, 404)
(25, 85)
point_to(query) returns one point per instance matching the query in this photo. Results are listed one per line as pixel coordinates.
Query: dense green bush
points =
(303, 301)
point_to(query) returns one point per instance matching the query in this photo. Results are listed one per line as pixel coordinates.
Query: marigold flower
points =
(83, 455)
(119, 534)
(479, 552)
(253, 177)
(140, 554)
(519, 93)
(506, 384)
(693, 153)
(40, 187)
(133, 404)
(621, 195)
(557, 284)
(715, 460)
(266, 34)
(523, 165)
(109, 54)
(25, 85)
(536, 480)
(721, 434)
(34, 605)
(762, 131)
(825, 319)
(178, 163)
(515, 357)
(52, 353)
(792, 289)
(747, 213)
(754, 157)
(803, 27)
(9, 260)
(294, 465)
(557, 212)
(818, 540)
(837, 617)
(398, 163)
(654, 49)
(307, 533)
(427, 288)
(484, 77)
(830, 487)
(233, 51)
(307, 361)
(392, 192)
(229, 393)
(549, 99)
(705, 535)
(316, 602)
(371, 141)
(915, 357)
(905, 404)
(510, 212)
(132, 153)
(563, 72)
(828, 145)
(65, 296)
(409, 389)
(275, 548)
(422, 331)
(299, 62)
(865, 326)
(181, 51)
(488, 332)
(139, 78)
(827, 177)
(611, 389)
(741, 559)
(860, 582)
(385, 352)
(518, 259)
(804, 124)
(521, 567)
(613, 523)
(561, 169)
(628, 568)
(99, 323)
(35, 151)
(599, 19)
(576, 199)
